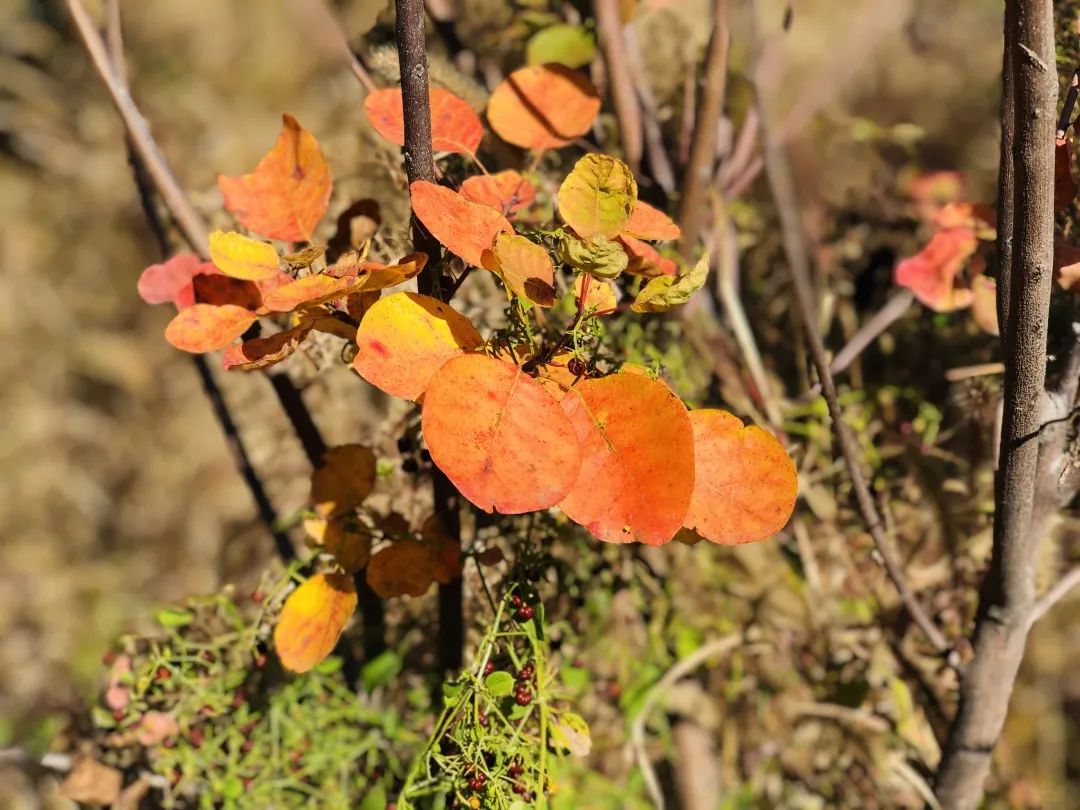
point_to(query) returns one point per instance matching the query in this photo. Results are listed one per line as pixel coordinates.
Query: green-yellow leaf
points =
(564, 44)
(241, 256)
(598, 255)
(665, 292)
(570, 731)
(598, 196)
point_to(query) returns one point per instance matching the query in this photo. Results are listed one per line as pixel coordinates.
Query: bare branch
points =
(1058, 592)
(627, 110)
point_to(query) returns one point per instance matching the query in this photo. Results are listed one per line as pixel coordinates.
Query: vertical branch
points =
(699, 171)
(1006, 181)
(420, 165)
(610, 27)
(1007, 596)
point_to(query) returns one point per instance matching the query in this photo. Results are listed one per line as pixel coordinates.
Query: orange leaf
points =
(405, 567)
(405, 338)
(346, 477)
(342, 538)
(1064, 184)
(206, 328)
(745, 483)
(463, 227)
(600, 297)
(454, 125)
(651, 224)
(446, 550)
(311, 291)
(645, 260)
(525, 267)
(312, 619)
(931, 273)
(498, 435)
(286, 195)
(637, 467)
(543, 107)
(507, 191)
(376, 276)
(171, 280)
(263, 352)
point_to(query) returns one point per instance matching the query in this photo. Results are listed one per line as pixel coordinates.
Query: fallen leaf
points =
(241, 256)
(745, 483)
(312, 619)
(931, 273)
(207, 328)
(543, 107)
(637, 467)
(524, 266)
(403, 568)
(598, 196)
(507, 192)
(405, 338)
(651, 224)
(287, 194)
(346, 477)
(664, 292)
(454, 125)
(498, 436)
(262, 352)
(463, 227)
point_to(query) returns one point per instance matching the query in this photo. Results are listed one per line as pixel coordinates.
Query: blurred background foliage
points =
(118, 494)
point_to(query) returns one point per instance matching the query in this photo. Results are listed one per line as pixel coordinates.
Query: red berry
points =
(526, 673)
(117, 715)
(109, 658)
(523, 697)
(515, 600)
(257, 596)
(163, 674)
(169, 742)
(518, 787)
(525, 613)
(515, 770)
(576, 367)
(239, 698)
(246, 746)
(489, 667)
(482, 719)
(208, 656)
(476, 784)
(196, 737)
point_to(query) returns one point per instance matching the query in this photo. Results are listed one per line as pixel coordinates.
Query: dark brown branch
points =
(699, 171)
(784, 195)
(1005, 175)
(1008, 592)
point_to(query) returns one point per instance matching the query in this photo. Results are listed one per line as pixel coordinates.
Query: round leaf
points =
(507, 191)
(463, 227)
(597, 197)
(651, 224)
(207, 328)
(543, 107)
(346, 477)
(524, 266)
(241, 256)
(637, 467)
(562, 43)
(454, 125)
(312, 620)
(499, 437)
(405, 338)
(745, 483)
(405, 567)
(500, 683)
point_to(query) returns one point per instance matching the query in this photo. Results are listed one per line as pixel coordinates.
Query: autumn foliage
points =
(520, 420)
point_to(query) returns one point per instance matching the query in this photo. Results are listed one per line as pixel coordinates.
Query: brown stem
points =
(1006, 181)
(627, 111)
(1008, 591)
(784, 195)
(699, 171)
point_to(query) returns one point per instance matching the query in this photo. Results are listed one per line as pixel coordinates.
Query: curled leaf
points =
(287, 194)
(931, 273)
(405, 338)
(463, 227)
(312, 619)
(524, 266)
(319, 288)
(745, 483)
(543, 107)
(207, 328)
(598, 256)
(664, 292)
(645, 260)
(598, 196)
(263, 352)
(498, 436)
(637, 467)
(346, 477)
(376, 276)
(506, 191)
(454, 125)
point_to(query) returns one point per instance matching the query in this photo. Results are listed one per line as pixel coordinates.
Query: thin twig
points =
(786, 200)
(898, 304)
(682, 668)
(620, 81)
(659, 165)
(1060, 589)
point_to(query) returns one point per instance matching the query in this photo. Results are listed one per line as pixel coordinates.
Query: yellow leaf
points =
(312, 619)
(241, 256)
(524, 266)
(598, 196)
(664, 292)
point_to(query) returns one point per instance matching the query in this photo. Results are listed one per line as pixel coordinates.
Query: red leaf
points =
(651, 224)
(454, 125)
(645, 260)
(507, 192)
(287, 194)
(463, 227)
(171, 280)
(931, 273)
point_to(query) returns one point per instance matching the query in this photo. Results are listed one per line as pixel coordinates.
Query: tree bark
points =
(1008, 592)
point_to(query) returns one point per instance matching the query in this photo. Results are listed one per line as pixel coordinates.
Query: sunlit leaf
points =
(405, 338)
(346, 477)
(598, 256)
(263, 352)
(507, 192)
(570, 731)
(312, 290)
(598, 196)
(931, 273)
(207, 328)
(543, 107)
(498, 436)
(312, 619)
(562, 43)
(463, 227)
(376, 276)
(745, 483)
(241, 256)
(984, 303)
(664, 292)
(343, 538)
(403, 568)
(651, 224)
(524, 266)
(600, 296)
(171, 280)
(645, 260)
(637, 468)
(287, 194)
(454, 125)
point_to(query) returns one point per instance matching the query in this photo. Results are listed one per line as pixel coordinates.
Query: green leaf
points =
(565, 44)
(174, 617)
(380, 670)
(232, 787)
(500, 683)
(598, 256)
(375, 798)
(330, 665)
(598, 196)
(664, 292)
(451, 693)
